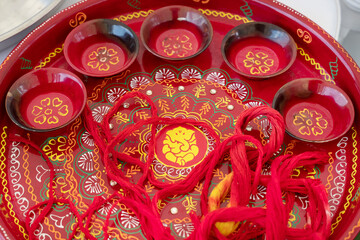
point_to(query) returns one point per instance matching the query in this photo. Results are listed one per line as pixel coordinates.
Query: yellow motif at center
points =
(178, 45)
(49, 111)
(180, 145)
(103, 58)
(310, 122)
(258, 62)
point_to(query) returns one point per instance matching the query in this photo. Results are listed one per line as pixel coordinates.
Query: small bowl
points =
(258, 50)
(101, 47)
(314, 110)
(46, 99)
(176, 32)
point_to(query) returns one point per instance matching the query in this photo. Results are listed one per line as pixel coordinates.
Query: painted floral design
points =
(177, 46)
(190, 73)
(184, 230)
(310, 122)
(163, 74)
(115, 94)
(99, 113)
(138, 81)
(240, 90)
(92, 185)
(129, 221)
(260, 194)
(49, 111)
(105, 209)
(55, 149)
(252, 104)
(216, 77)
(258, 62)
(103, 58)
(86, 162)
(87, 139)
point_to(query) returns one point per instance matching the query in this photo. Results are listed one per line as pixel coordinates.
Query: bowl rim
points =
(19, 123)
(333, 86)
(253, 77)
(148, 18)
(93, 21)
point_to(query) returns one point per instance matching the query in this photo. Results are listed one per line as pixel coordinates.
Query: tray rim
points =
(354, 68)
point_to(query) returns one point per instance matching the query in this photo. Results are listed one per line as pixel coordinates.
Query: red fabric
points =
(247, 163)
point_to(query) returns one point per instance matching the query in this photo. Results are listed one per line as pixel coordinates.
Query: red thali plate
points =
(202, 88)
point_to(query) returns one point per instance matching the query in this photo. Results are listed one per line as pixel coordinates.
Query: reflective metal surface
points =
(19, 17)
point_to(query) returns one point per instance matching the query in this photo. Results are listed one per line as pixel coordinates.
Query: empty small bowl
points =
(314, 110)
(258, 50)
(46, 99)
(176, 32)
(101, 47)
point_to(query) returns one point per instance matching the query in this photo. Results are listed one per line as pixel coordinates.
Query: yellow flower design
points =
(180, 145)
(103, 58)
(177, 45)
(49, 111)
(310, 122)
(55, 149)
(258, 62)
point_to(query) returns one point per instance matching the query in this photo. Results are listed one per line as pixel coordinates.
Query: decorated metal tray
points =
(199, 97)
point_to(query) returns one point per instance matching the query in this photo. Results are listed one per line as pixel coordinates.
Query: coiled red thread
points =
(247, 163)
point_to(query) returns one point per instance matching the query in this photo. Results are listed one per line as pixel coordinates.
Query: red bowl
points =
(176, 32)
(46, 99)
(314, 110)
(101, 47)
(258, 50)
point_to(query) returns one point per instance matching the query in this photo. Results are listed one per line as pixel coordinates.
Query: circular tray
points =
(202, 88)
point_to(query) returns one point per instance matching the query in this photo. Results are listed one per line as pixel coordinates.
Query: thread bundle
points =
(237, 220)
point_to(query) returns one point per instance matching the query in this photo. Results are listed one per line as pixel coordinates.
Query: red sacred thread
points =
(277, 130)
(318, 211)
(276, 138)
(169, 188)
(247, 162)
(229, 144)
(115, 174)
(275, 206)
(242, 171)
(205, 227)
(105, 123)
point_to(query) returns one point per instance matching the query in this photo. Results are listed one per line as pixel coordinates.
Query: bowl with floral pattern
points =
(258, 50)
(176, 32)
(45, 99)
(314, 110)
(101, 47)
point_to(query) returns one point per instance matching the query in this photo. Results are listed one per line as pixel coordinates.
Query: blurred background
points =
(340, 18)
(350, 27)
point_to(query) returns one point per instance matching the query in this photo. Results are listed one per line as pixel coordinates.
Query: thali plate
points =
(178, 89)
